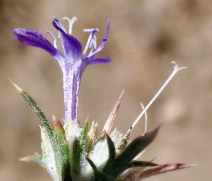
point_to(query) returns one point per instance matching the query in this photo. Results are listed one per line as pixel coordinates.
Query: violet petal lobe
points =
(71, 46)
(101, 46)
(86, 62)
(36, 39)
(100, 60)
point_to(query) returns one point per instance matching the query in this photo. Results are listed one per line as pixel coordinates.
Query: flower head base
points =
(72, 153)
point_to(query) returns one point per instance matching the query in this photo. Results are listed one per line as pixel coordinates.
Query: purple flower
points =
(73, 62)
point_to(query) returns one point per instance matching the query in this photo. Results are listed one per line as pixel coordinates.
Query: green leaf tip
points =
(58, 126)
(17, 87)
(37, 158)
(83, 137)
(36, 109)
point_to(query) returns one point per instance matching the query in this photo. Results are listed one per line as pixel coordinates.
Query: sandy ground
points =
(145, 36)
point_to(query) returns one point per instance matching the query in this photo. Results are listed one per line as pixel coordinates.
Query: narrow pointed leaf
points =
(75, 160)
(37, 111)
(111, 147)
(92, 136)
(105, 173)
(90, 145)
(84, 136)
(62, 151)
(136, 146)
(79, 145)
(48, 129)
(163, 169)
(34, 158)
(93, 166)
(141, 164)
(109, 123)
(122, 161)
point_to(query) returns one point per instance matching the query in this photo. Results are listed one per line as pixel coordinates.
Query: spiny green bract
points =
(71, 153)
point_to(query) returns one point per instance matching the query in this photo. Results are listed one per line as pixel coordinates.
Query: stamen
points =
(145, 123)
(176, 69)
(91, 39)
(92, 45)
(52, 35)
(71, 22)
(93, 42)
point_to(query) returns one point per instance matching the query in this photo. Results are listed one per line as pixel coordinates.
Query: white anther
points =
(176, 69)
(90, 30)
(52, 35)
(91, 43)
(71, 22)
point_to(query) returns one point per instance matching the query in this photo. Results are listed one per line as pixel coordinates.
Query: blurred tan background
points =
(145, 36)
